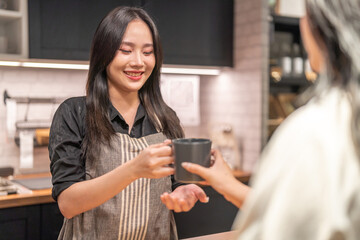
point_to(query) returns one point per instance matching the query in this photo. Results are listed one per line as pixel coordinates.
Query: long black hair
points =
(106, 42)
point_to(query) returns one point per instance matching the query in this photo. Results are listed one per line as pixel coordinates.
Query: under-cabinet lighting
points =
(10, 64)
(195, 71)
(79, 66)
(55, 65)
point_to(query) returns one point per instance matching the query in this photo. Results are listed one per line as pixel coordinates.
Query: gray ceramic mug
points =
(194, 150)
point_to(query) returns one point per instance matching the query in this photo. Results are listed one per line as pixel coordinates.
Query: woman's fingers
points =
(167, 142)
(166, 200)
(205, 183)
(163, 172)
(194, 168)
(161, 151)
(172, 204)
(216, 153)
(201, 195)
(203, 172)
(183, 206)
(164, 161)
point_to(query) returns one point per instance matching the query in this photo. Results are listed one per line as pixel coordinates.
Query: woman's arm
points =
(220, 177)
(82, 196)
(75, 195)
(85, 195)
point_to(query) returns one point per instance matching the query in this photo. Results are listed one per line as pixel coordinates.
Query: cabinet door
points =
(20, 223)
(194, 32)
(206, 218)
(51, 221)
(63, 29)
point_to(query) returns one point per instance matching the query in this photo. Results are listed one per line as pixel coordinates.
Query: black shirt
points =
(67, 133)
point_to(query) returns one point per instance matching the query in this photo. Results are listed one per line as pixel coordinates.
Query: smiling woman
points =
(109, 161)
(133, 63)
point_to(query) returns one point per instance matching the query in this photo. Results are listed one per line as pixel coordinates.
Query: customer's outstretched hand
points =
(184, 197)
(221, 178)
(218, 175)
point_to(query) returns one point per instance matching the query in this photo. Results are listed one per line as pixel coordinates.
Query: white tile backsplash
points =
(45, 83)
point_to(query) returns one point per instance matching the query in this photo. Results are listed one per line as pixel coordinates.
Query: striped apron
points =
(135, 213)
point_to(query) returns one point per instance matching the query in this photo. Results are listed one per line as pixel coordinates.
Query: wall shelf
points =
(8, 15)
(14, 30)
(288, 68)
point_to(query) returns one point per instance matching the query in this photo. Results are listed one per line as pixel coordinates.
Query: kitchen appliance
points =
(35, 183)
(8, 187)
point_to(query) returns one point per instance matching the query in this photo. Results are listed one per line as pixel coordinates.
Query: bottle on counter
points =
(285, 59)
(297, 61)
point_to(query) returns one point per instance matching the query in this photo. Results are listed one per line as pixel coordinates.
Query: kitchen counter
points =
(217, 236)
(242, 176)
(31, 198)
(44, 195)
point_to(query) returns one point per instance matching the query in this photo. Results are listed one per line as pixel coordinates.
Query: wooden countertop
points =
(44, 195)
(217, 236)
(242, 176)
(34, 197)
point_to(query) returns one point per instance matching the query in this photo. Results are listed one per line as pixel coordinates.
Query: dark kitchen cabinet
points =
(63, 29)
(41, 222)
(192, 32)
(51, 221)
(215, 216)
(20, 223)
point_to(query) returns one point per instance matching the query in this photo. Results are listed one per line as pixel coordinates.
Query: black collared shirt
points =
(142, 125)
(67, 133)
